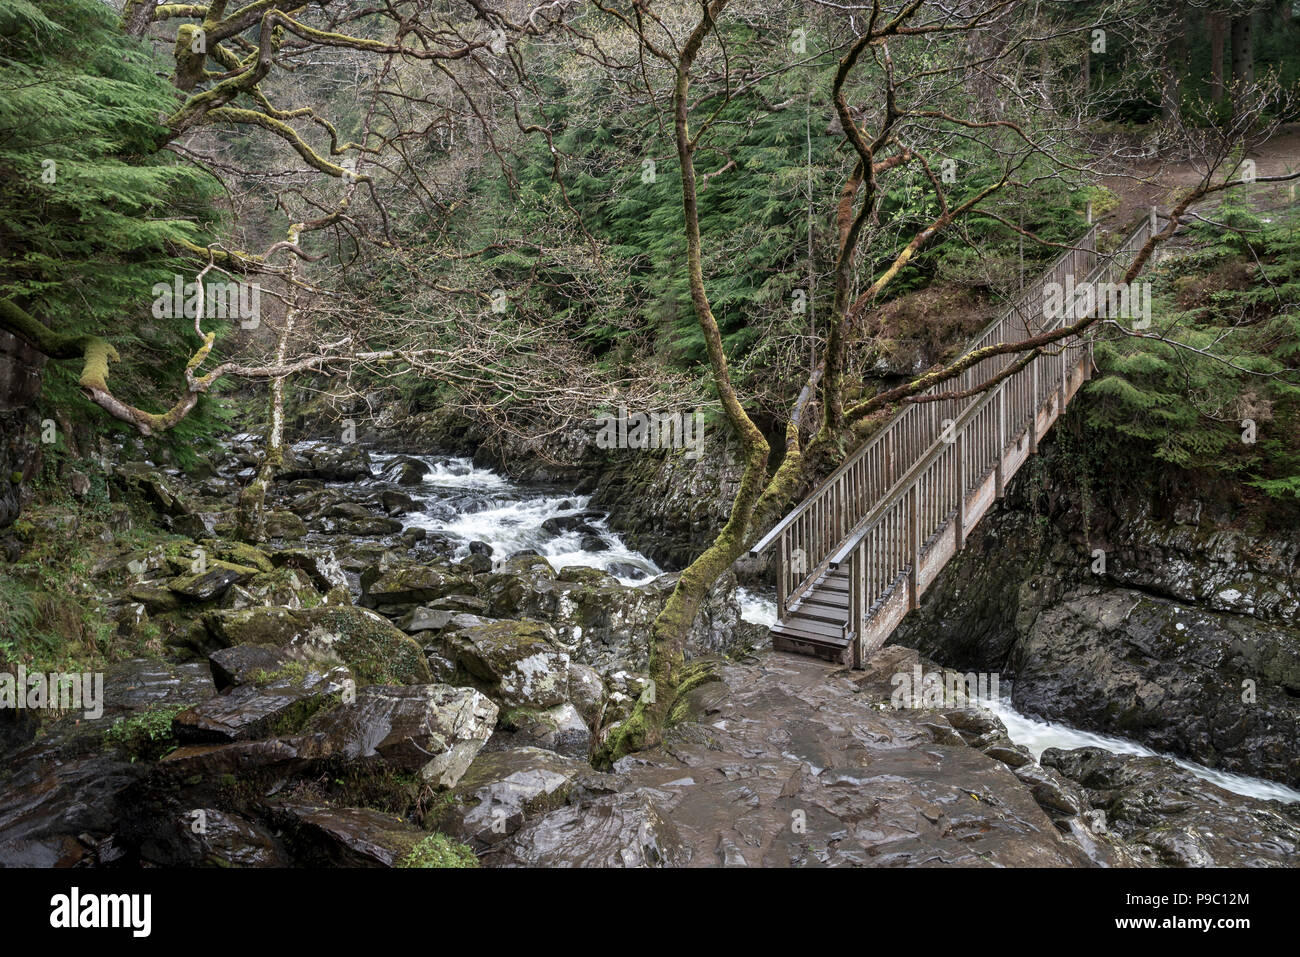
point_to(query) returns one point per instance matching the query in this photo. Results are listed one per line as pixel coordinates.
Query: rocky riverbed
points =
(413, 670)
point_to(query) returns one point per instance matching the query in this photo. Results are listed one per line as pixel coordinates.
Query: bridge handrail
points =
(905, 482)
(827, 484)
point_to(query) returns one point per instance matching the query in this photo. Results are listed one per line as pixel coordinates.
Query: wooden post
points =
(1065, 362)
(914, 543)
(959, 479)
(855, 623)
(837, 517)
(782, 569)
(889, 460)
(1033, 406)
(999, 478)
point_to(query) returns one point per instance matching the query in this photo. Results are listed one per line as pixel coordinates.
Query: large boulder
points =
(363, 837)
(279, 703)
(285, 525)
(208, 837)
(320, 564)
(396, 587)
(625, 830)
(514, 662)
(212, 582)
(1221, 688)
(602, 622)
(434, 730)
(502, 789)
(560, 729)
(282, 586)
(64, 796)
(374, 650)
(153, 486)
(405, 470)
(1175, 818)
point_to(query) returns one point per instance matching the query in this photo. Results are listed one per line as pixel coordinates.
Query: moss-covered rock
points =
(363, 837)
(513, 662)
(278, 704)
(281, 586)
(431, 730)
(285, 525)
(409, 585)
(375, 651)
(501, 790)
(241, 553)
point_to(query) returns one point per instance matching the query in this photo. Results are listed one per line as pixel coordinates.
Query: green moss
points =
(580, 574)
(239, 553)
(438, 850)
(698, 672)
(376, 652)
(375, 785)
(289, 671)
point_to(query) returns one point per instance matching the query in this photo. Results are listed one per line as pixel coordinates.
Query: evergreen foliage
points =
(90, 206)
(1237, 296)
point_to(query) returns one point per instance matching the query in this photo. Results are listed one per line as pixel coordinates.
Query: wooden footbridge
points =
(856, 555)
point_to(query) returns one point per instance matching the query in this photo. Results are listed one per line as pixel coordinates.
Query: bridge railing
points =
(930, 494)
(814, 530)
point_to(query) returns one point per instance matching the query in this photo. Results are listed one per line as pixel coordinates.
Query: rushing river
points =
(475, 504)
(1038, 736)
(478, 505)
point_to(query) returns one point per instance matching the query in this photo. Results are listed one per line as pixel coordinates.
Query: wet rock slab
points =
(346, 837)
(503, 788)
(254, 711)
(790, 764)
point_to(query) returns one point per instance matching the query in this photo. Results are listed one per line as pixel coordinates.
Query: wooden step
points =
(789, 628)
(827, 614)
(811, 626)
(824, 603)
(834, 585)
(795, 641)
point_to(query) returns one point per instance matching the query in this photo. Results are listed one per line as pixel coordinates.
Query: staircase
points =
(857, 554)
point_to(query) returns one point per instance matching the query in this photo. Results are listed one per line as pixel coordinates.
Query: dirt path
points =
(1150, 182)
